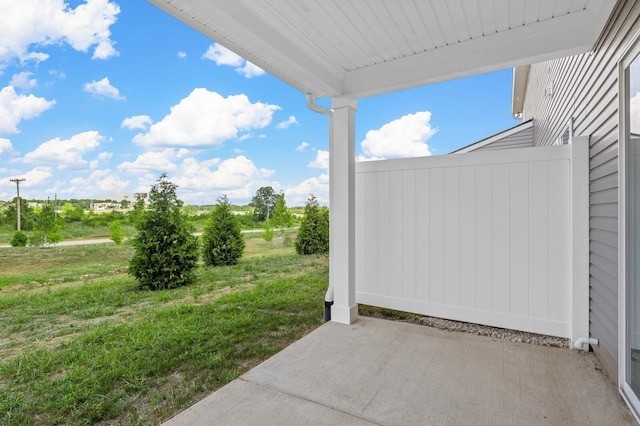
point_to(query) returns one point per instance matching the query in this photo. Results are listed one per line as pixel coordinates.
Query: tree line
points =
(166, 251)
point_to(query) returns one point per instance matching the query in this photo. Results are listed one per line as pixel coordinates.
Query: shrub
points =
(282, 217)
(19, 239)
(166, 251)
(223, 243)
(37, 238)
(313, 235)
(116, 231)
(247, 221)
(268, 232)
(54, 236)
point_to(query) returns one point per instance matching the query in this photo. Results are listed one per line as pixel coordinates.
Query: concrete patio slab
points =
(393, 373)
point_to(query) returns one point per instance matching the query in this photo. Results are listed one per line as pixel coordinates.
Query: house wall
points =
(521, 139)
(584, 88)
(511, 139)
(481, 237)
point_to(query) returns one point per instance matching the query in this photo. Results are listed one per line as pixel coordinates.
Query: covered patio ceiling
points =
(360, 48)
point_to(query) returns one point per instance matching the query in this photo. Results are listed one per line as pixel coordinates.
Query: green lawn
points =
(80, 345)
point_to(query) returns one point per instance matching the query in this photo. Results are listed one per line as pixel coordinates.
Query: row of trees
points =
(167, 252)
(265, 205)
(44, 223)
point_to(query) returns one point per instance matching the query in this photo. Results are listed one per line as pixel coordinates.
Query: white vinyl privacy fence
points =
(486, 237)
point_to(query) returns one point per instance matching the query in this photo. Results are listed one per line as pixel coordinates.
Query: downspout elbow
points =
(320, 110)
(584, 342)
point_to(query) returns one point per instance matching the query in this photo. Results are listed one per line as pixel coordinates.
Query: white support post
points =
(342, 210)
(580, 238)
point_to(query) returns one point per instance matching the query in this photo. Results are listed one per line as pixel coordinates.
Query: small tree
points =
(166, 251)
(136, 214)
(116, 231)
(263, 202)
(282, 217)
(313, 235)
(46, 227)
(19, 239)
(222, 240)
(268, 232)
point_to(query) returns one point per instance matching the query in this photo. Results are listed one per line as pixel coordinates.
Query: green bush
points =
(36, 238)
(268, 231)
(247, 221)
(313, 235)
(223, 243)
(116, 231)
(166, 251)
(19, 239)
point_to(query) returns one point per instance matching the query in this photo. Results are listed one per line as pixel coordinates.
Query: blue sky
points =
(99, 97)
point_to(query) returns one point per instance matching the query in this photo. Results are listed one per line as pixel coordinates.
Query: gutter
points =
(520, 80)
(328, 298)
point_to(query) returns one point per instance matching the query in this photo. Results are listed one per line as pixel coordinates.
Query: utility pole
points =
(17, 181)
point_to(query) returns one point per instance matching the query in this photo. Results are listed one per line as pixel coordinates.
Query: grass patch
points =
(79, 345)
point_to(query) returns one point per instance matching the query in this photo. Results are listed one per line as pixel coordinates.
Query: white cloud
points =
(154, 161)
(404, 137)
(103, 183)
(223, 56)
(105, 50)
(288, 122)
(321, 161)
(15, 108)
(250, 70)
(206, 118)
(182, 54)
(103, 156)
(299, 194)
(36, 176)
(141, 122)
(197, 179)
(102, 89)
(5, 146)
(245, 137)
(23, 80)
(302, 146)
(233, 174)
(30, 24)
(65, 153)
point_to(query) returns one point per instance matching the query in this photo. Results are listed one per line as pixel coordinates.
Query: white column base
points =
(344, 314)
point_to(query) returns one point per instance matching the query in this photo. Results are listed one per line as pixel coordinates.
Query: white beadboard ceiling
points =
(366, 47)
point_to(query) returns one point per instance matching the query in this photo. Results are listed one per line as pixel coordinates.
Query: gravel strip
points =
(498, 333)
(483, 330)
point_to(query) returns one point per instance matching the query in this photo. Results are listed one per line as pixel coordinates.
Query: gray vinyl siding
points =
(522, 139)
(585, 90)
(507, 139)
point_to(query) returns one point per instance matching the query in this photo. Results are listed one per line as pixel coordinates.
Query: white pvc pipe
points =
(328, 298)
(584, 342)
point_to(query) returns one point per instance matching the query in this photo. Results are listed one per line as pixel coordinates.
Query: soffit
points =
(366, 47)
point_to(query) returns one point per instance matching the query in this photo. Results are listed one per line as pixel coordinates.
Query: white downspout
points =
(328, 297)
(584, 342)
